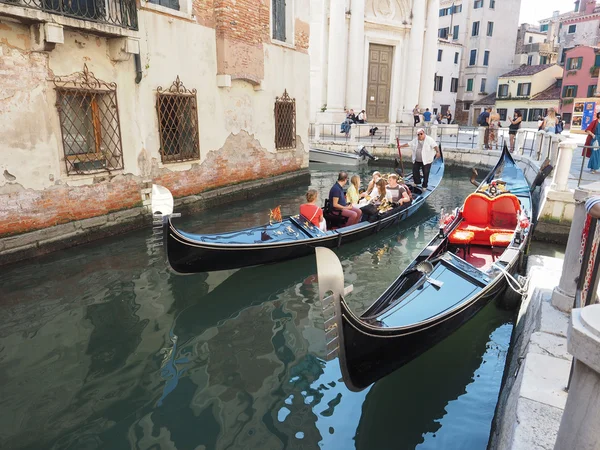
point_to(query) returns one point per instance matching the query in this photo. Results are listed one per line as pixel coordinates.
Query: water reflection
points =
(101, 347)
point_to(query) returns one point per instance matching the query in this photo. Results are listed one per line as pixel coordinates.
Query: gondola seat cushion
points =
(501, 239)
(485, 216)
(461, 237)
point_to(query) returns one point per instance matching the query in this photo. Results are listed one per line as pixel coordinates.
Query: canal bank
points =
(30, 245)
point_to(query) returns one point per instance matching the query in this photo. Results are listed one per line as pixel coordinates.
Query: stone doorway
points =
(379, 83)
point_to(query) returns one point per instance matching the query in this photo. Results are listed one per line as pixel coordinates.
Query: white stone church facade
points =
(377, 55)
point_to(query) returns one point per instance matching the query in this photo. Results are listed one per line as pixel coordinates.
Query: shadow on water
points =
(102, 347)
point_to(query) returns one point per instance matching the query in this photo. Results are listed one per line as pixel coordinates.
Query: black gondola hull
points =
(370, 354)
(187, 256)
(424, 306)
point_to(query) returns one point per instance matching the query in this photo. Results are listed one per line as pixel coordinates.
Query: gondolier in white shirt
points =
(424, 151)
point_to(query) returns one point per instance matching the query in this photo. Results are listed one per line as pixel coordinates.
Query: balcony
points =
(540, 47)
(111, 15)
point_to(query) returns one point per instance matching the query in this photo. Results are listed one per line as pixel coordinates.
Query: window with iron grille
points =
(502, 113)
(89, 122)
(285, 122)
(178, 123)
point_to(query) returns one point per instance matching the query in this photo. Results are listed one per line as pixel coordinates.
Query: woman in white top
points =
(373, 183)
(550, 121)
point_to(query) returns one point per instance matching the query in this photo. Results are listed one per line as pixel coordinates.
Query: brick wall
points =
(24, 210)
(230, 166)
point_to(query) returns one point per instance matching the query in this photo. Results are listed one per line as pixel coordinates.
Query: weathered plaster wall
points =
(236, 123)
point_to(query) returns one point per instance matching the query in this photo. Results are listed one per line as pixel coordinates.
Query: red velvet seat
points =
(462, 239)
(485, 216)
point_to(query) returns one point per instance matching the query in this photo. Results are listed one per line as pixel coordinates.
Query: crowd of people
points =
(490, 119)
(383, 196)
(429, 118)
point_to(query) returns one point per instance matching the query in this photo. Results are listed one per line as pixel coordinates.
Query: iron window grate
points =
(285, 122)
(89, 121)
(178, 123)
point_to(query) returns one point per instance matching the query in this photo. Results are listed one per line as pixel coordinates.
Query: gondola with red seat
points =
(473, 259)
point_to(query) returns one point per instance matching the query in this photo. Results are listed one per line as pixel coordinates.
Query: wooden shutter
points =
(279, 20)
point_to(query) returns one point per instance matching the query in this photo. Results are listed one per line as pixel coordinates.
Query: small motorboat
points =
(289, 238)
(473, 259)
(360, 156)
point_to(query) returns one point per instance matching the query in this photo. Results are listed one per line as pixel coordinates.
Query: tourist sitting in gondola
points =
(371, 204)
(337, 201)
(312, 212)
(396, 193)
(373, 182)
(353, 196)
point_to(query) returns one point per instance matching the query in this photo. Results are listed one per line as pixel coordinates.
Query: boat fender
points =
(339, 240)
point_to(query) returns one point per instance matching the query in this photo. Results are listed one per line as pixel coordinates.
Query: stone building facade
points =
(376, 55)
(486, 30)
(534, 47)
(98, 100)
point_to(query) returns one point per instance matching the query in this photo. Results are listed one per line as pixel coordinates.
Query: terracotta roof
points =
(487, 100)
(525, 70)
(552, 93)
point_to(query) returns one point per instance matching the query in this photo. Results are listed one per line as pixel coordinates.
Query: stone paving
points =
(533, 397)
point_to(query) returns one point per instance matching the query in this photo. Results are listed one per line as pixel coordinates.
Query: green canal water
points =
(101, 347)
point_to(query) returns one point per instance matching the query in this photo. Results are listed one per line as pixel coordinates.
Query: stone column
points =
(537, 145)
(392, 135)
(414, 63)
(481, 137)
(336, 77)
(430, 49)
(433, 132)
(556, 139)
(546, 146)
(563, 166)
(356, 47)
(563, 295)
(520, 142)
(316, 51)
(579, 425)
(354, 133)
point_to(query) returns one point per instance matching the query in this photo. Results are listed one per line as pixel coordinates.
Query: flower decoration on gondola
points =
(275, 215)
(448, 218)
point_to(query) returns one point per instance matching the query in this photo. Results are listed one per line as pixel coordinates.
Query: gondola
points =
(292, 237)
(472, 260)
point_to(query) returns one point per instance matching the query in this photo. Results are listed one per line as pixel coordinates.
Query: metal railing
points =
(583, 159)
(537, 145)
(587, 282)
(122, 13)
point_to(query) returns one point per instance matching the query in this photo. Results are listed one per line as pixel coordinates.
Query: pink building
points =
(580, 77)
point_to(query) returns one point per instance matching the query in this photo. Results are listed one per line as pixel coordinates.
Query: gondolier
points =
(424, 150)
